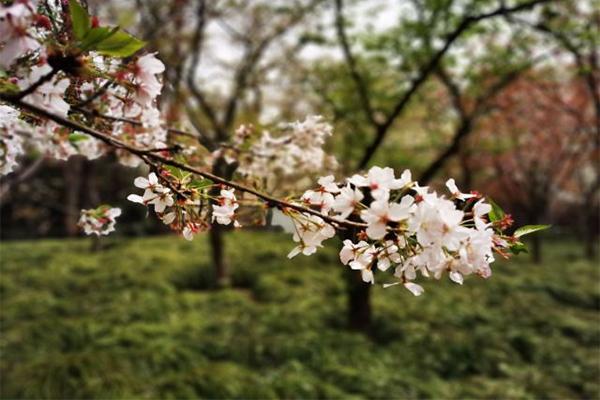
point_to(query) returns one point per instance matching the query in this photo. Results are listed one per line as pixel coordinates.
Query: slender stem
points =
(129, 121)
(145, 155)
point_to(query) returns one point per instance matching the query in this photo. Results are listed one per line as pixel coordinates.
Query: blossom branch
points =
(96, 113)
(144, 154)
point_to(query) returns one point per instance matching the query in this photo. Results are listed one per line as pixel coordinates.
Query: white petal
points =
(376, 231)
(135, 198)
(159, 205)
(295, 251)
(167, 219)
(415, 289)
(367, 276)
(456, 277)
(152, 178)
(141, 182)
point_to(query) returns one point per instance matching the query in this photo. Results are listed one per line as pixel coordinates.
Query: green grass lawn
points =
(142, 319)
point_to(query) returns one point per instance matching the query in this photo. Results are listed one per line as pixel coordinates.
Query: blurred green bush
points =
(142, 319)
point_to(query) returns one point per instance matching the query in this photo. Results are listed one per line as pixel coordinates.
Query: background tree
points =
(557, 120)
(220, 56)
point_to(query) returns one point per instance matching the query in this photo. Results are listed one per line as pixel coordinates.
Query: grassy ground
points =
(141, 319)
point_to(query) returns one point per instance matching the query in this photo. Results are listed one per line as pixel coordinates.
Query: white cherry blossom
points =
(11, 143)
(50, 95)
(99, 221)
(380, 213)
(148, 87)
(380, 181)
(310, 232)
(480, 209)
(224, 212)
(15, 38)
(346, 201)
(457, 194)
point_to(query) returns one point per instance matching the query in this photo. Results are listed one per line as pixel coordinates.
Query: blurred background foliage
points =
(511, 108)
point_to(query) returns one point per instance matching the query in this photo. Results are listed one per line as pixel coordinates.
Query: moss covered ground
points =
(142, 319)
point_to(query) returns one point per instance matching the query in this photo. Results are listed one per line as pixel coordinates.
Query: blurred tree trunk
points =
(590, 223)
(92, 199)
(591, 241)
(92, 193)
(536, 249)
(359, 302)
(72, 173)
(359, 296)
(217, 247)
(466, 170)
(217, 232)
(535, 216)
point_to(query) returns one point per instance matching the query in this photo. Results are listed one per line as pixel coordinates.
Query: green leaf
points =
(119, 44)
(7, 87)
(177, 173)
(497, 212)
(518, 247)
(527, 229)
(77, 137)
(79, 19)
(95, 36)
(201, 183)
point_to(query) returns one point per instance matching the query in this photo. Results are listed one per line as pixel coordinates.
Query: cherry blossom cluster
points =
(11, 143)
(182, 202)
(296, 149)
(406, 227)
(67, 80)
(99, 221)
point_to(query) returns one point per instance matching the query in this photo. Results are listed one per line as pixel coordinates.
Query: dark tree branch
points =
(43, 79)
(7, 185)
(482, 105)
(361, 86)
(252, 56)
(431, 65)
(197, 45)
(588, 71)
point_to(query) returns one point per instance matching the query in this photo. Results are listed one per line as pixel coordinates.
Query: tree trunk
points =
(536, 249)
(359, 302)
(590, 227)
(217, 247)
(591, 243)
(537, 211)
(359, 296)
(72, 171)
(92, 198)
(217, 232)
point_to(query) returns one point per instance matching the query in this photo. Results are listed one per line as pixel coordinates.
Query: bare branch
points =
(26, 173)
(197, 45)
(482, 105)
(430, 67)
(361, 87)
